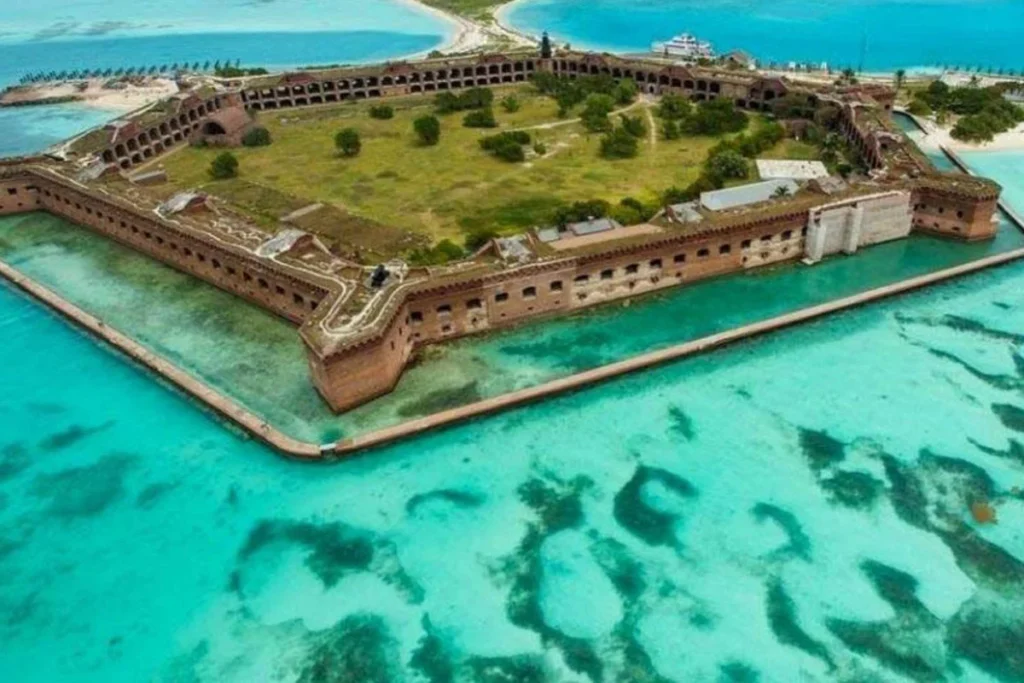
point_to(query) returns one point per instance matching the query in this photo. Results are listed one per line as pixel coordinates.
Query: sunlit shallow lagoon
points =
(794, 508)
(258, 359)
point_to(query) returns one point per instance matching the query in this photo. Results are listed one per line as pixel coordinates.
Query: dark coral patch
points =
(462, 499)
(150, 495)
(519, 669)
(783, 620)
(853, 489)
(906, 493)
(13, 460)
(71, 436)
(890, 646)
(896, 587)
(737, 672)
(84, 491)
(640, 519)
(799, 544)
(820, 449)
(358, 648)
(990, 640)
(557, 507)
(625, 573)
(430, 657)
(682, 424)
(441, 399)
(1010, 415)
(334, 549)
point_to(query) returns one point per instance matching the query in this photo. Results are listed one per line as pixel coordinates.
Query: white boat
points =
(686, 46)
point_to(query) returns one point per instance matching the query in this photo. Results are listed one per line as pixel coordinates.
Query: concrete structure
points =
(359, 335)
(771, 169)
(849, 224)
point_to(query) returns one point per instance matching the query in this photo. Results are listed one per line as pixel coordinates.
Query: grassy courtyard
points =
(397, 186)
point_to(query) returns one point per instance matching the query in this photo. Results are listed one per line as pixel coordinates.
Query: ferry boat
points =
(686, 46)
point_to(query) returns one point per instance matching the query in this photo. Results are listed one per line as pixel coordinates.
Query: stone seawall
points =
(286, 445)
(199, 390)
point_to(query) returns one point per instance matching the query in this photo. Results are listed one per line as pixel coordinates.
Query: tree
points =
(347, 142)
(510, 104)
(256, 137)
(727, 164)
(901, 76)
(670, 130)
(224, 166)
(634, 125)
(781, 191)
(619, 144)
(382, 111)
(595, 112)
(428, 129)
(480, 118)
(625, 91)
(674, 107)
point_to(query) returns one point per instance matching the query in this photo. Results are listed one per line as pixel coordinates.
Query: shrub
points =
(510, 151)
(510, 104)
(919, 107)
(727, 165)
(256, 137)
(474, 98)
(715, 117)
(347, 142)
(540, 149)
(580, 211)
(225, 165)
(634, 125)
(674, 107)
(443, 252)
(382, 111)
(428, 129)
(670, 130)
(625, 91)
(480, 118)
(507, 146)
(479, 238)
(619, 144)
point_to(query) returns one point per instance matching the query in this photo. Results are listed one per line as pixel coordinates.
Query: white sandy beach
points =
(470, 35)
(129, 96)
(935, 135)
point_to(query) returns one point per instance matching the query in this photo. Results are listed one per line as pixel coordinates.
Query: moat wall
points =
(229, 269)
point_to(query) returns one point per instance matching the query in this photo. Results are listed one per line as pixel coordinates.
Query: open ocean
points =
(792, 508)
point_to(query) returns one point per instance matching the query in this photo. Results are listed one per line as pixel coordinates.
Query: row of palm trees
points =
(110, 72)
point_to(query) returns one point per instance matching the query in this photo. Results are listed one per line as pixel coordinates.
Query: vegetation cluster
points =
(983, 112)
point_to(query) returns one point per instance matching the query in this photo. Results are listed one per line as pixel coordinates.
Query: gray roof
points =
(514, 248)
(687, 212)
(741, 195)
(549, 235)
(591, 226)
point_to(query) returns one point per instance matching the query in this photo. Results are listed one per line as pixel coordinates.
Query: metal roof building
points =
(741, 195)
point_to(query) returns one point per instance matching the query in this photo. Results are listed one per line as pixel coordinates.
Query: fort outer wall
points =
(228, 267)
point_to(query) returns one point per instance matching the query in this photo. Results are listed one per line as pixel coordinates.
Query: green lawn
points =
(435, 192)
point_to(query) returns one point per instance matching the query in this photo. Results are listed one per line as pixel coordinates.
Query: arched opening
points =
(213, 128)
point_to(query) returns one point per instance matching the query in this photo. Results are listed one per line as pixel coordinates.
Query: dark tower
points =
(545, 46)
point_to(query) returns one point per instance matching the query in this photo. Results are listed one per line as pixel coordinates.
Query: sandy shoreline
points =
(938, 136)
(126, 98)
(470, 35)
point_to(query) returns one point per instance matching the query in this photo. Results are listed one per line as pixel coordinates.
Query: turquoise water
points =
(794, 508)
(258, 359)
(97, 34)
(875, 34)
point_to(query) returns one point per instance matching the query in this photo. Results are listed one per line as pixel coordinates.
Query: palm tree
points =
(901, 75)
